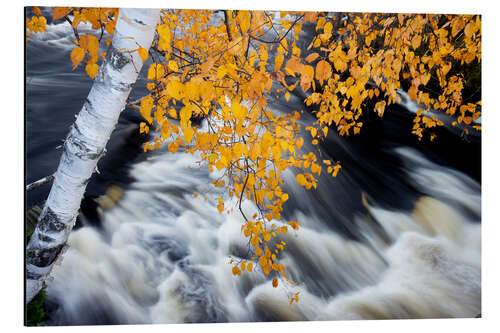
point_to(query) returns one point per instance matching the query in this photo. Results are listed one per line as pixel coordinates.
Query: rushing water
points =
(396, 235)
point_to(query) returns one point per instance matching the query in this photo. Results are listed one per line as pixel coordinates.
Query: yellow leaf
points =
(336, 170)
(275, 282)
(380, 107)
(301, 179)
(207, 65)
(220, 206)
(185, 114)
(92, 70)
(175, 89)
(143, 53)
(165, 129)
(156, 71)
(278, 61)
(172, 65)
(173, 147)
(249, 266)
(77, 55)
(327, 29)
(143, 128)
(164, 32)
(188, 134)
(110, 27)
(172, 113)
(146, 107)
(239, 111)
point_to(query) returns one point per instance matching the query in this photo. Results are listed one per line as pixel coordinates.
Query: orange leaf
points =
(37, 11)
(60, 12)
(236, 270)
(323, 71)
(92, 70)
(312, 57)
(77, 56)
(92, 47)
(143, 53)
(412, 92)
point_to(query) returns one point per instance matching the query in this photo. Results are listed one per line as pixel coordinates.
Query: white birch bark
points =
(86, 142)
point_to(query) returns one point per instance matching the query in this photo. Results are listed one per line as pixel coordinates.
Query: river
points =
(396, 235)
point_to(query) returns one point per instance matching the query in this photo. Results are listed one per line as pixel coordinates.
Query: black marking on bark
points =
(119, 59)
(43, 257)
(45, 238)
(32, 276)
(82, 150)
(123, 86)
(88, 104)
(76, 128)
(49, 222)
(139, 22)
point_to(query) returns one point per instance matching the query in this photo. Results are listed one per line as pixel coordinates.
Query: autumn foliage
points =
(222, 66)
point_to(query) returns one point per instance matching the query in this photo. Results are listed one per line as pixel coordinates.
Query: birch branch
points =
(40, 182)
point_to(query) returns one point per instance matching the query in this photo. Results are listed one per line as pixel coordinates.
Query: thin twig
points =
(40, 182)
(74, 28)
(226, 21)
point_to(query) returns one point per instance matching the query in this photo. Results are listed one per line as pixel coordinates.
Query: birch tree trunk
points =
(86, 142)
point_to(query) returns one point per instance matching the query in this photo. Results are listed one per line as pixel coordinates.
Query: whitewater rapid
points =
(161, 256)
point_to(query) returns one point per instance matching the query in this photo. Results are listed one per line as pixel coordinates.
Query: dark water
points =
(410, 250)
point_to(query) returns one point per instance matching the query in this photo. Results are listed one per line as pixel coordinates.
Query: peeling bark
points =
(86, 142)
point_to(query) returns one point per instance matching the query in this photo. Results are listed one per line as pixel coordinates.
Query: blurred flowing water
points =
(396, 235)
